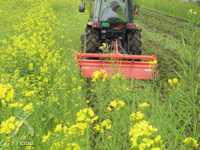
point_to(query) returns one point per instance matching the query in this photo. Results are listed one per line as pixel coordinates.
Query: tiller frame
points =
(115, 63)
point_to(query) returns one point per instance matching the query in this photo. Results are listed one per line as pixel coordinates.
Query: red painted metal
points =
(116, 62)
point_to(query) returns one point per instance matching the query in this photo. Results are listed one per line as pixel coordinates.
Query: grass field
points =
(46, 104)
(174, 8)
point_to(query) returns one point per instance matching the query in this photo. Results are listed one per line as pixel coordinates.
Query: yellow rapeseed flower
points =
(152, 129)
(102, 71)
(30, 67)
(139, 115)
(94, 80)
(105, 124)
(86, 115)
(156, 148)
(30, 93)
(148, 142)
(96, 74)
(157, 139)
(190, 140)
(108, 108)
(170, 81)
(58, 128)
(28, 107)
(3, 91)
(8, 125)
(104, 77)
(73, 146)
(79, 88)
(121, 103)
(175, 80)
(113, 103)
(3, 102)
(142, 146)
(178, 84)
(14, 105)
(145, 104)
(97, 127)
(153, 62)
(133, 116)
(45, 138)
(91, 112)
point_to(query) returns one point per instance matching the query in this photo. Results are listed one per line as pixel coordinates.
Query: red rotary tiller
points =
(116, 62)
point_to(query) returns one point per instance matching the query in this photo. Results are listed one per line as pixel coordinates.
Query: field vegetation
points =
(175, 8)
(45, 103)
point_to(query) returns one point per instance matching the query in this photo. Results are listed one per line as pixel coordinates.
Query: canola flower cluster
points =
(192, 141)
(6, 94)
(8, 126)
(28, 108)
(192, 12)
(143, 105)
(106, 124)
(153, 62)
(98, 74)
(84, 119)
(141, 132)
(103, 46)
(174, 82)
(87, 115)
(115, 105)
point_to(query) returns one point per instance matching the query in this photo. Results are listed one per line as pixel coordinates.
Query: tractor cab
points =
(110, 18)
(111, 11)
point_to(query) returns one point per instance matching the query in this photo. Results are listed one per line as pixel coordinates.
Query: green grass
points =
(37, 67)
(174, 8)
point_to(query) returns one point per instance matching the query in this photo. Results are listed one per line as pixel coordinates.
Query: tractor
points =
(111, 23)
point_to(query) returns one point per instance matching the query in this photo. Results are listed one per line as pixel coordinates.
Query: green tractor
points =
(112, 21)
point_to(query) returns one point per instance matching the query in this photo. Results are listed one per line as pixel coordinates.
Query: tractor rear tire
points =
(134, 42)
(90, 41)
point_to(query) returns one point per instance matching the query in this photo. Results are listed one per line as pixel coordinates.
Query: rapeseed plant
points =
(28, 108)
(143, 105)
(106, 124)
(115, 105)
(173, 82)
(8, 126)
(73, 146)
(7, 93)
(141, 132)
(14, 105)
(192, 141)
(87, 115)
(116, 76)
(98, 74)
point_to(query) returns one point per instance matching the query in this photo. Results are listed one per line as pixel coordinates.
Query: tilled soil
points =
(161, 34)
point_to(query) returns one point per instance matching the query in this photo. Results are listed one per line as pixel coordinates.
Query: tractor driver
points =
(111, 11)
